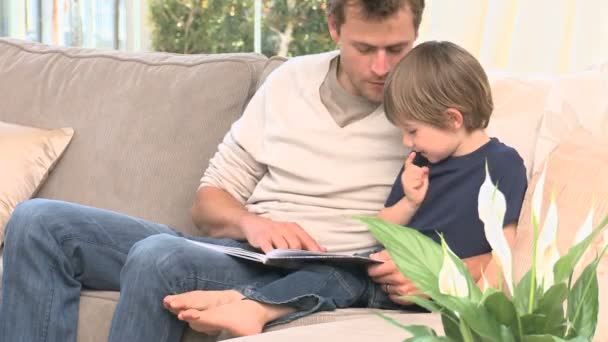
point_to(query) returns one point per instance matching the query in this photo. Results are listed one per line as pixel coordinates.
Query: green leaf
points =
(565, 265)
(415, 330)
(556, 322)
(522, 294)
(507, 335)
(501, 308)
(475, 316)
(550, 305)
(417, 256)
(554, 297)
(428, 339)
(451, 327)
(540, 338)
(533, 323)
(424, 303)
(583, 303)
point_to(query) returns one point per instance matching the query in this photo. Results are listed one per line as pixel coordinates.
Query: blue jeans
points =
(54, 249)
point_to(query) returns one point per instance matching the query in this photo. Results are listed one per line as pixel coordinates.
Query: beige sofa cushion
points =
(27, 155)
(579, 99)
(519, 106)
(576, 172)
(146, 123)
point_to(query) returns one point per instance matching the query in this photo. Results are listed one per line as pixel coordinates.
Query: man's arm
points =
(218, 213)
(229, 181)
(225, 217)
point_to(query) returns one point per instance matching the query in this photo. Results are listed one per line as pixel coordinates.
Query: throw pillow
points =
(27, 155)
(576, 171)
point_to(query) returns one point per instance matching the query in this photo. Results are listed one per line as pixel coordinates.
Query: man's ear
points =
(333, 29)
(455, 119)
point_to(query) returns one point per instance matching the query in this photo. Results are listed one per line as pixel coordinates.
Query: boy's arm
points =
(414, 181)
(401, 213)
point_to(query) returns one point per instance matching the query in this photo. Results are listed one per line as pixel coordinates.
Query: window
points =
(87, 23)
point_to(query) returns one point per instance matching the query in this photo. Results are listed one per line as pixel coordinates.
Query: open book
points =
(291, 258)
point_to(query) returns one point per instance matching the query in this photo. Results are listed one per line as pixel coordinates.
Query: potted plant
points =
(547, 304)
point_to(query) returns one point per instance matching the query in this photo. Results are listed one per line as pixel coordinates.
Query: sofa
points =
(146, 124)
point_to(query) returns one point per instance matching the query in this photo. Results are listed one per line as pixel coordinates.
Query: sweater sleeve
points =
(235, 167)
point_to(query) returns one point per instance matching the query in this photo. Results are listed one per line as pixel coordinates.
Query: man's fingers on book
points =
(278, 241)
(293, 241)
(266, 246)
(308, 243)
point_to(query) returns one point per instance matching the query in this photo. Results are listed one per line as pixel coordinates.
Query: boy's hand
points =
(415, 181)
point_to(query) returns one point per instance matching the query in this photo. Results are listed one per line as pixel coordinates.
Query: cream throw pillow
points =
(27, 155)
(577, 173)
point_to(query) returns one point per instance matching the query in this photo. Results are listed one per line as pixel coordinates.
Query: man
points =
(312, 149)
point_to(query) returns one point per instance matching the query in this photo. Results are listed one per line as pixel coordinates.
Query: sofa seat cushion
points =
(97, 307)
(370, 327)
(146, 124)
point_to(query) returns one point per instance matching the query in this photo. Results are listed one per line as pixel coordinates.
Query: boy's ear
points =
(455, 119)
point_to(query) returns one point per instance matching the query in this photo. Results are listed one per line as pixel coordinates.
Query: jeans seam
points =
(81, 239)
(47, 316)
(343, 283)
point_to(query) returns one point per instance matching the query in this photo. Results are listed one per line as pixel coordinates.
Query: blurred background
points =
(514, 36)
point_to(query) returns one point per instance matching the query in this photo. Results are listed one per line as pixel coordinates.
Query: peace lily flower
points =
(484, 280)
(537, 196)
(546, 252)
(584, 231)
(586, 228)
(451, 281)
(501, 317)
(492, 207)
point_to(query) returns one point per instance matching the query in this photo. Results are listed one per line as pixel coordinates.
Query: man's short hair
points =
(433, 77)
(375, 9)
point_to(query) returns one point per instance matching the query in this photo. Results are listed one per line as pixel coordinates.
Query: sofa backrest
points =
(145, 124)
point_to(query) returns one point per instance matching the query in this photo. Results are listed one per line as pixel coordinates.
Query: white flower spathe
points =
(586, 228)
(546, 252)
(451, 281)
(537, 196)
(492, 207)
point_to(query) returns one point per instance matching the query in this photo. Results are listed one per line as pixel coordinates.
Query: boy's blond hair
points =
(433, 77)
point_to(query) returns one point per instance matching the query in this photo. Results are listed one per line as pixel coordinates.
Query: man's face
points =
(370, 48)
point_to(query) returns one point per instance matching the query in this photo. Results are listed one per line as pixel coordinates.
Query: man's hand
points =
(393, 282)
(267, 235)
(415, 181)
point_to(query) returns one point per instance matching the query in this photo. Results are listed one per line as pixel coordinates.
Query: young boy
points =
(440, 97)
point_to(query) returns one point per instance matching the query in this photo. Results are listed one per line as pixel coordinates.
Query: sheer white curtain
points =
(523, 36)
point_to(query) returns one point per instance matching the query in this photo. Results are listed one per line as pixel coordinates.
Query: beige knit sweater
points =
(287, 159)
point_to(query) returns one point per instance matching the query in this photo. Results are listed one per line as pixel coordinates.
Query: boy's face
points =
(370, 48)
(435, 144)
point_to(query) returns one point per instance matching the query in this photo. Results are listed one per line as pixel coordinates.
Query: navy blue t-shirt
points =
(450, 204)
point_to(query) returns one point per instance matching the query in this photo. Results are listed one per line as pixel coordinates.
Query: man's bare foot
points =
(239, 318)
(200, 300)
